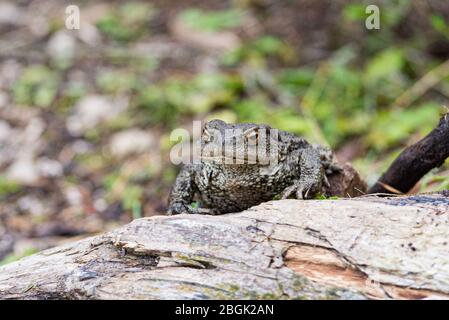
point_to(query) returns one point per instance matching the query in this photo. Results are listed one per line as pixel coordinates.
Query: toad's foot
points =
(182, 208)
(301, 189)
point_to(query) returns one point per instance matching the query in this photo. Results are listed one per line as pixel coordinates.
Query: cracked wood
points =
(359, 248)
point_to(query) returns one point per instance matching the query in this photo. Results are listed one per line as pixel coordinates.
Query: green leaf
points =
(384, 64)
(212, 21)
(392, 127)
(293, 79)
(269, 45)
(354, 12)
(128, 22)
(439, 24)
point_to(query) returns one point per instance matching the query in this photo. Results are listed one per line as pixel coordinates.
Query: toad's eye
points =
(252, 136)
(206, 136)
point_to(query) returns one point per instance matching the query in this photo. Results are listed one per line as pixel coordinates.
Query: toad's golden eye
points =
(252, 136)
(206, 135)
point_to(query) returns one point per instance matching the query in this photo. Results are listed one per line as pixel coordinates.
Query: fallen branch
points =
(415, 161)
(338, 249)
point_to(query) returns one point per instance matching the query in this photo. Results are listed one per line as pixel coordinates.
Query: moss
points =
(234, 288)
(234, 291)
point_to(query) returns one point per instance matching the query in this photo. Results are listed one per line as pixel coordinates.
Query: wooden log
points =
(361, 248)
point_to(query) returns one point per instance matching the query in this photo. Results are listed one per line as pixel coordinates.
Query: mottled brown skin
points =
(221, 187)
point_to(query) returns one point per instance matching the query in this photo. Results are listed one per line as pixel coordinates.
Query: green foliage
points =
(269, 45)
(169, 175)
(384, 76)
(347, 101)
(126, 190)
(354, 12)
(390, 127)
(14, 257)
(212, 21)
(283, 118)
(340, 99)
(121, 56)
(92, 161)
(7, 187)
(384, 65)
(296, 80)
(255, 52)
(110, 180)
(175, 97)
(440, 25)
(251, 110)
(323, 197)
(225, 115)
(129, 22)
(131, 197)
(72, 92)
(37, 86)
(116, 81)
(396, 11)
(435, 183)
(123, 121)
(330, 99)
(390, 14)
(195, 205)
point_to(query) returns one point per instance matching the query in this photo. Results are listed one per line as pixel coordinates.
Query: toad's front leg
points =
(311, 176)
(182, 192)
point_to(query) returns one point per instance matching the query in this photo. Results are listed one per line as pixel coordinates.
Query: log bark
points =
(361, 248)
(415, 161)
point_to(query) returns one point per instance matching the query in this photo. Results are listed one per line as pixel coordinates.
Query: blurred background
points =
(86, 115)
